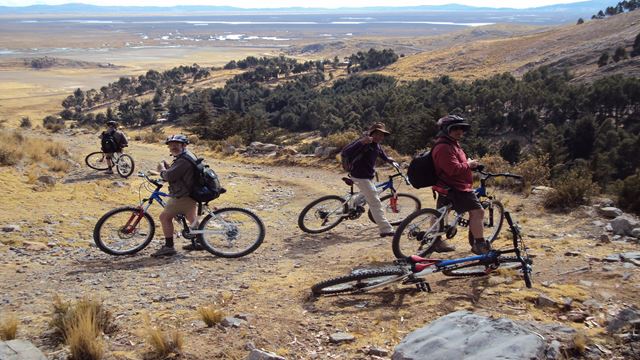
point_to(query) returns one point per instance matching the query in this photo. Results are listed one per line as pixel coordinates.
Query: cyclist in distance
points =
(112, 140)
(364, 153)
(455, 181)
(181, 177)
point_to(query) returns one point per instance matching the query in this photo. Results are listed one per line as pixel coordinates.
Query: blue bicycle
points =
(419, 231)
(226, 232)
(412, 269)
(328, 211)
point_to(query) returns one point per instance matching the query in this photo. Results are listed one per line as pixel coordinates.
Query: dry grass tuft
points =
(16, 147)
(163, 345)
(210, 315)
(83, 337)
(66, 316)
(8, 328)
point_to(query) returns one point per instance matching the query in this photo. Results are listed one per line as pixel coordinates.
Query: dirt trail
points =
(270, 288)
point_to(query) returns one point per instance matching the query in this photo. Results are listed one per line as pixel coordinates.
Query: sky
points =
(295, 3)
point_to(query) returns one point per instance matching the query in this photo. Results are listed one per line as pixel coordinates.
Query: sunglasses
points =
(453, 128)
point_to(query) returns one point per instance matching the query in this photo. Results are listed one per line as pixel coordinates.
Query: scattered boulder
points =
(47, 180)
(622, 319)
(261, 147)
(545, 301)
(635, 233)
(228, 149)
(624, 224)
(257, 354)
(231, 321)
(610, 212)
(464, 335)
(341, 337)
(20, 350)
(35, 246)
(11, 228)
(541, 190)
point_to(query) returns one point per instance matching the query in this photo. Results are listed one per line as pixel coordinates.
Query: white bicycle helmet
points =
(177, 138)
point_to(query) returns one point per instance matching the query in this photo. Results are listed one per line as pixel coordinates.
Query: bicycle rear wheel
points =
(124, 231)
(397, 210)
(359, 281)
(231, 232)
(322, 214)
(125, 165)
(417, 234)
(97, 160)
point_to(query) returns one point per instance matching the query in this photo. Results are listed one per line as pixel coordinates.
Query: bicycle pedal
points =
(423, 286)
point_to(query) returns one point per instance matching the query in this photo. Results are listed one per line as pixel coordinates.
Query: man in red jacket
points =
(455, 181)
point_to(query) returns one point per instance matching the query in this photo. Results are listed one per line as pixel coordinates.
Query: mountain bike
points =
(412, 270)
(122, 162)
(420, 230)
(328, 211)
(226, 232)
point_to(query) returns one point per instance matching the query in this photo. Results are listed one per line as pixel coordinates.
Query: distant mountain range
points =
(578, 8)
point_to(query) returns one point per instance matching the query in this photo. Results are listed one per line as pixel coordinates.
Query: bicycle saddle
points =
(347, 181)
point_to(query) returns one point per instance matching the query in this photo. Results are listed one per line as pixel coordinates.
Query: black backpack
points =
(108, 143)
(206, 186)
(347, 162)
(422, 171)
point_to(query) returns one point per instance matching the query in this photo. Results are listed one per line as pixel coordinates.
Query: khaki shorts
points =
(181, 205)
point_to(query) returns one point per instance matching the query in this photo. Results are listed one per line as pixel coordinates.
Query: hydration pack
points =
(108, 143)
(422, 170)
(206, 186)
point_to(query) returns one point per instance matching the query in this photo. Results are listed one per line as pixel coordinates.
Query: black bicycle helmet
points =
(177, 138)
(112, 123)
(449, 121)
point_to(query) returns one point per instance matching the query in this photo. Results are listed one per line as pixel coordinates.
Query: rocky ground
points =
(581, 282)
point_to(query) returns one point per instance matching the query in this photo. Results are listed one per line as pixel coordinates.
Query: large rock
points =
(624, 224)
(20, 350)
(263, 355)
(258, 146)
(47, 180)
(464, 335)
(541, 190)
(610, 212)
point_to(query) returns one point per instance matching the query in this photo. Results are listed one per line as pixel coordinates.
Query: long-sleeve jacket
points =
(363, 167)
(180, 175)
(451, 166)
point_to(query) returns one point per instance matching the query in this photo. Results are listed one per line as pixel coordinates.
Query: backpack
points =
(422, 170)
(346, 161)
(108, 143)
(206, 186)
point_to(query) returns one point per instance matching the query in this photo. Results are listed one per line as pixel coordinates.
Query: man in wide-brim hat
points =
(365, 152)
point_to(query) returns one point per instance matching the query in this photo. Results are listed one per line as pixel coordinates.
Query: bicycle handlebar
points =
(399, 172)
(480, 169)
(157, 183)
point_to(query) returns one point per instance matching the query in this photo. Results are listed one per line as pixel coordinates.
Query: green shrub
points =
(340, 140)
(25, 123)
(629, 194)
(571, 189)
(534, 170)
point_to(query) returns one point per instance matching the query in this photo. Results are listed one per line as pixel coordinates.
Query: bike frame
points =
(420, 267)
(157, 196)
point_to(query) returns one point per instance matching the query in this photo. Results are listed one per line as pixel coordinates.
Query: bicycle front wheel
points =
(493, 219)
(417, 234)
(231, 232)
(359, 281)
(322, 214)
(125, 165)
(397, 209)
(124, 231)
(97, 161)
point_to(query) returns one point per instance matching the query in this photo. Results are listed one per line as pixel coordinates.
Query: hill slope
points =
(577, 47)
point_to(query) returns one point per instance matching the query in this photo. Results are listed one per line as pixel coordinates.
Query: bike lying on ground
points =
(411, 270)
(328, 211)
(420, 230)
(122, 162)
(225, 232)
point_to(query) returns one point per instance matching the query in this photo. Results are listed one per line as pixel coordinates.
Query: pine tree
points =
(604, 59)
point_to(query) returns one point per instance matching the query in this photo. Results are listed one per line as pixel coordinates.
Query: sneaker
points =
(480, 247)
(443, 246)
(165, 251)
(387, 233)
(193, 247)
